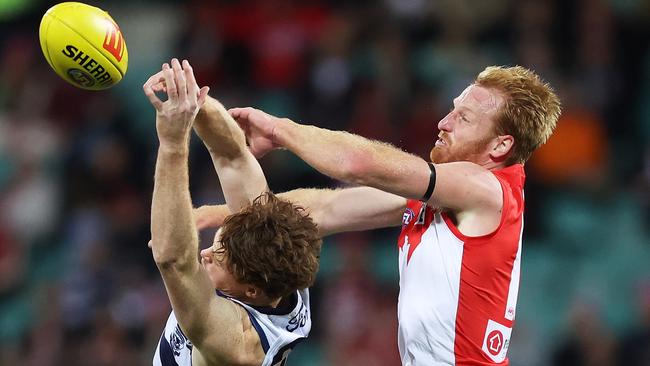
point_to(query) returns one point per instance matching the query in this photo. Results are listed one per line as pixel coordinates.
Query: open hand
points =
(174, 117)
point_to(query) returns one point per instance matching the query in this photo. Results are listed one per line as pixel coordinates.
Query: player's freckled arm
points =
(355, 159)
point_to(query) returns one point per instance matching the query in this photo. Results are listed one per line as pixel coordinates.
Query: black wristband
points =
(432, 183)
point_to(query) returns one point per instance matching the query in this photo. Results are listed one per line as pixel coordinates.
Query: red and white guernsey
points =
(457, 293)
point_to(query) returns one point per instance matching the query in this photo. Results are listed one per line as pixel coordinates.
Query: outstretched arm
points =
(242, 179)
(333, 210)
(174, 237)
(240, 175)
(460, 186)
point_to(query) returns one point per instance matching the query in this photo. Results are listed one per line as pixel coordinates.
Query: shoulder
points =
(481, 186)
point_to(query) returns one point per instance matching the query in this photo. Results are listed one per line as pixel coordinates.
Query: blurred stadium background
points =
(77, 282)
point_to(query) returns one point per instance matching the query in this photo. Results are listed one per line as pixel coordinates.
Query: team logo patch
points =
(178, 341)
(496, 341)
(407, 216)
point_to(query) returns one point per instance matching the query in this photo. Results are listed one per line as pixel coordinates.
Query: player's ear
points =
(253, 292)
(502, 147)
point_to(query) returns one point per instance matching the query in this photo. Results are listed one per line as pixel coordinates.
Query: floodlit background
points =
(78, 285)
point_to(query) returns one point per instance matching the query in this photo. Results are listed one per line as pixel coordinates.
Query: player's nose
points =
(446, 122)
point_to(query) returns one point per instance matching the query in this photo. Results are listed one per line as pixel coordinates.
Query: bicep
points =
(459, 186)
(464, 186)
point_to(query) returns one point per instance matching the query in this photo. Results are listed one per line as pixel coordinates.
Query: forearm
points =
(355, 159)
(173, 233)
(333, 210)
(219, 132)
(241, 179)
(208, 216)
(312, 200)
(348, 209)
(240, 175)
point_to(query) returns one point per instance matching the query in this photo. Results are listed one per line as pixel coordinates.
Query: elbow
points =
(170, 262)
(171, 266)
(164, 261)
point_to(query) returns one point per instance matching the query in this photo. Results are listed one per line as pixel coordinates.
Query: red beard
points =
(451, 152)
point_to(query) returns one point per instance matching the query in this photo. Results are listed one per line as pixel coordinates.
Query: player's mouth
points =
(440, 141)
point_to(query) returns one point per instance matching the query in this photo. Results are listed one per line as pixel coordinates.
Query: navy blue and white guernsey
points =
(279, 329)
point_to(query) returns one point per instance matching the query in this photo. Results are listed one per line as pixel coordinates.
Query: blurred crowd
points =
(78, 285)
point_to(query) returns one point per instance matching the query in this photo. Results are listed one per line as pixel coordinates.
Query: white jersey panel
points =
(174, 348)
(428, 298)
(279, 331)
(513, 290)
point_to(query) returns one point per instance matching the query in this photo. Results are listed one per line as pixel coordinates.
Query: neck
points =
(493, 165)
(265, 302)
(275, 303)
(490, 164)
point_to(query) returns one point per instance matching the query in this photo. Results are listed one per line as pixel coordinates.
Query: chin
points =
(439, 157)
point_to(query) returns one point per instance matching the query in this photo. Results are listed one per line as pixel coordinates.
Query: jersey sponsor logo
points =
(299, 320)
(407, 216)
(496, 341)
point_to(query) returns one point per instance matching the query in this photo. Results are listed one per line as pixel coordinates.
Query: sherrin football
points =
(84, 45)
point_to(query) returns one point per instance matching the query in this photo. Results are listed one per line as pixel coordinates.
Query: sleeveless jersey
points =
(279, 329)
(457, 293)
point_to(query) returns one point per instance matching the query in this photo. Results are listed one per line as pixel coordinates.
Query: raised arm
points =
(240, 175)
(333, 210)
(459, 186)
(174, 237)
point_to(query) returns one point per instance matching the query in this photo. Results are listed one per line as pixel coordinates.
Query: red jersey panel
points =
(458, 294)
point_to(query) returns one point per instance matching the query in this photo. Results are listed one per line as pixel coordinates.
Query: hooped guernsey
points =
(458, 294)
(279, 329)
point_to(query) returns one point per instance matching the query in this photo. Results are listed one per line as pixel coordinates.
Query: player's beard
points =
(452, 152)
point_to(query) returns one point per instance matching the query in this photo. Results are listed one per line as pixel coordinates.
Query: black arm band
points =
(432, 184)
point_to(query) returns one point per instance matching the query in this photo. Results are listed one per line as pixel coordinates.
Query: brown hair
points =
(530, 110)
(272, 244)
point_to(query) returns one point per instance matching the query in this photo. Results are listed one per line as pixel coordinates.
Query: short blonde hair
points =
(530, 110)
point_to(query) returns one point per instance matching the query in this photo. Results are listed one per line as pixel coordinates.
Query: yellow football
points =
(84, 45)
